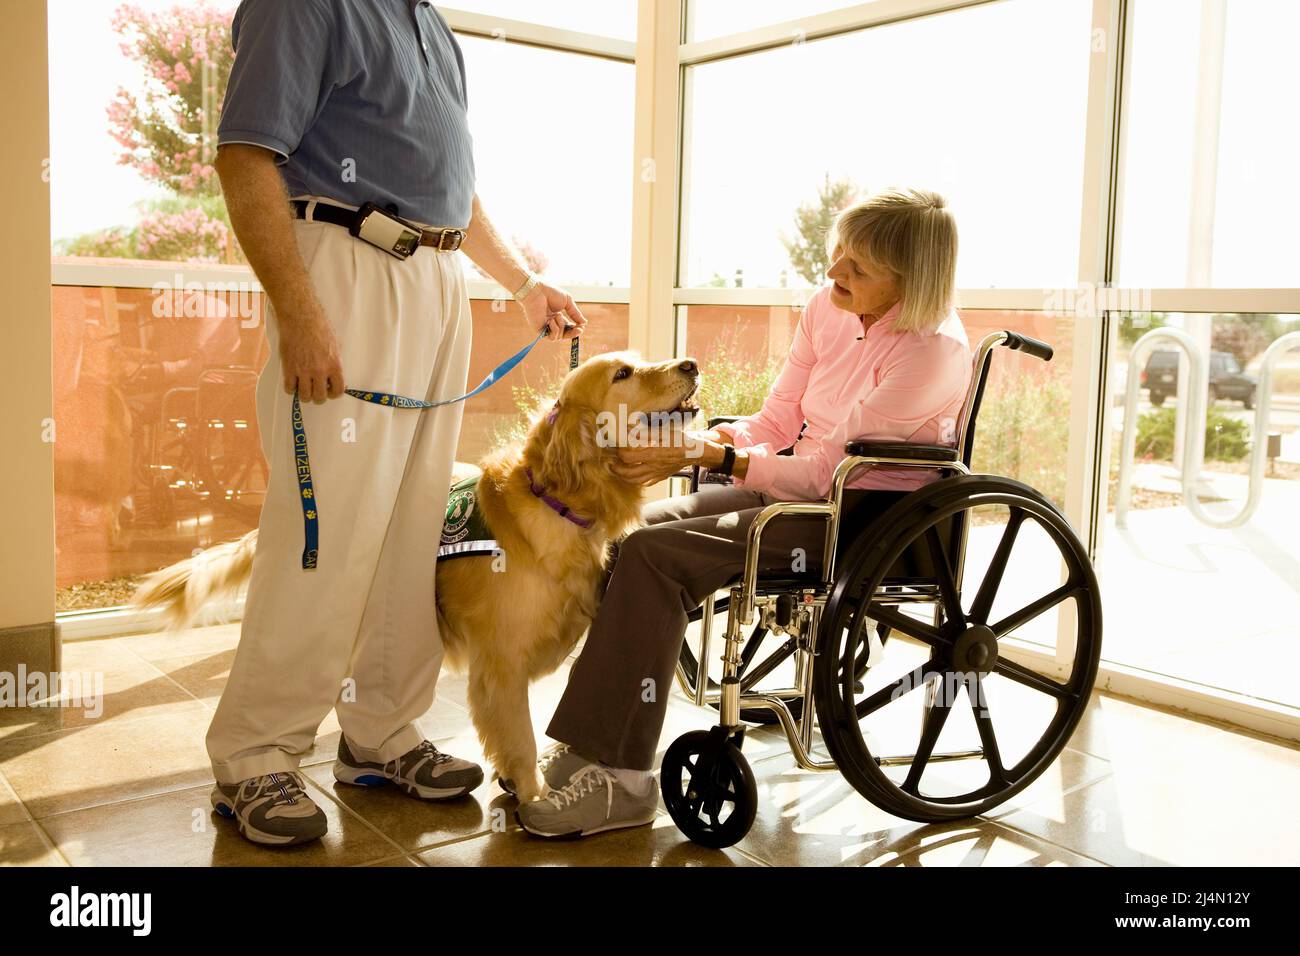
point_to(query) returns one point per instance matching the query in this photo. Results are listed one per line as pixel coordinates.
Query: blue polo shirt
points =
(361, 100)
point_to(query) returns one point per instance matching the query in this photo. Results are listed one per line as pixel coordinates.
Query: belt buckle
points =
(456, 238)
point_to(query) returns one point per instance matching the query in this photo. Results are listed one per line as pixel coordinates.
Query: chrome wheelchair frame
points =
(704, 773)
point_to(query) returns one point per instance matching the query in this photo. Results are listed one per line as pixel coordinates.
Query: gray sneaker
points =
(272, 809)
(557, 763)
(593, 801)
(424, 772)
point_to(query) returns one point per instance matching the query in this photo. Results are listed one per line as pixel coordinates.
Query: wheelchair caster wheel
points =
(708, 788)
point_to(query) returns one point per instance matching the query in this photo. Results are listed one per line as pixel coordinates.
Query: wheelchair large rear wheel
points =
(962, 711)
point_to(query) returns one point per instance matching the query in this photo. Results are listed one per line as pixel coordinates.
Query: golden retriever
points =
(511, 618)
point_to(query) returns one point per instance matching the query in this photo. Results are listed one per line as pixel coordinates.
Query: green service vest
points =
(465, 534)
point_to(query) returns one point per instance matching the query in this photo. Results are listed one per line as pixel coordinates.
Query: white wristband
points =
(529, 285)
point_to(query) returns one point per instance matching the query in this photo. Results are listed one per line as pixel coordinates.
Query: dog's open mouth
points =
(688, 405)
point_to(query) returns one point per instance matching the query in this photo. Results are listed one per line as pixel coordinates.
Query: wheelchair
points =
(840, 623)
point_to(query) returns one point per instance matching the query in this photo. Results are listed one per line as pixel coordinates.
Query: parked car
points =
(1227, 380)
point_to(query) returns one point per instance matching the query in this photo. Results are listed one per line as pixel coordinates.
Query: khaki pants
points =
(359, 632)
(691, 546)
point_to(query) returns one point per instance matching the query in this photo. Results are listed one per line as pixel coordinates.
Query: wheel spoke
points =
(711, 812)
(860, 662)
(936, 715)
(943, 572)
(749, 677)
(695, 806)
(984, 722)
(997, 567)
(1030, 611)
(1033, 680)
(899, 688)
(906, 624)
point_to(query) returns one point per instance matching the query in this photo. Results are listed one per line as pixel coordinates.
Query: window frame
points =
(1095, 340)
(663, 58)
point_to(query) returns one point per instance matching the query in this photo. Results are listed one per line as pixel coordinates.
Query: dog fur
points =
(509, 620)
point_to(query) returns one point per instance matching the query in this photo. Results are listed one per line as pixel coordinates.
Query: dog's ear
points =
(572, 444)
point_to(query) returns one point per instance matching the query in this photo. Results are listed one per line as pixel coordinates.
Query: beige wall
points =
(26, 458)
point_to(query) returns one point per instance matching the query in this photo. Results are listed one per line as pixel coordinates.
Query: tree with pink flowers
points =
(168, 133)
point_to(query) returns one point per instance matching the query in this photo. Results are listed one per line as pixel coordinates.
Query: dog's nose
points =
(689, 367)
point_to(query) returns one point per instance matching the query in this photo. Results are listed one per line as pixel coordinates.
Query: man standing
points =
(355, 110)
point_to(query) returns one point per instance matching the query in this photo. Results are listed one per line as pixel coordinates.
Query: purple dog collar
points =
(559, 507)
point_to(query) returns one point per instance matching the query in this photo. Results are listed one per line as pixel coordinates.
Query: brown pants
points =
(613, 708)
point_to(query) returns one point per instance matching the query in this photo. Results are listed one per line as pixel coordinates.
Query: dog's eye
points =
(624, 372)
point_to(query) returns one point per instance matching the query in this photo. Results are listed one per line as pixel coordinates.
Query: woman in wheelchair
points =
(878, 352)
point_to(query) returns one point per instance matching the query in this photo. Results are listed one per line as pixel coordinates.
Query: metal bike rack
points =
(1197, 414)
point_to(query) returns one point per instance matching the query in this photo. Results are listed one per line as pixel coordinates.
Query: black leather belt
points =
(444, 240)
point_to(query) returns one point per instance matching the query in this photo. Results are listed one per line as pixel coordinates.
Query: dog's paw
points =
(530, 786)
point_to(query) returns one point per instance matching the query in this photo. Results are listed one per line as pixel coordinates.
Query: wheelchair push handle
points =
(1026, 343)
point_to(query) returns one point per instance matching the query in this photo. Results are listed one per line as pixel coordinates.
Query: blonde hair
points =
(911, 233)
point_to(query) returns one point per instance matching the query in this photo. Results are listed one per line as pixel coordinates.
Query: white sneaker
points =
(557, 764)
(594, 800)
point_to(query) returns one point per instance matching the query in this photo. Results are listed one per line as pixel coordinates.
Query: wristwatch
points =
(529, 285)
(728, 461)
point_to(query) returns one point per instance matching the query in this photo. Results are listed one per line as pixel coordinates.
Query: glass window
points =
(158, 450)
(611, 18)
(1246, 237)
(1238, 630)
(714, 18)
(1024, 421)
(1023, 429)
(740, 350)
(770, 131)
(130, 154)
(554, 167)
(501, 414)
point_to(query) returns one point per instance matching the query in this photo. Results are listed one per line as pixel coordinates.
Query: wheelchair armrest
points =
(698, 475)
(868, 448)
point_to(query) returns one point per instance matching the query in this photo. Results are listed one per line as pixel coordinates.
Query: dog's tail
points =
(182, 589)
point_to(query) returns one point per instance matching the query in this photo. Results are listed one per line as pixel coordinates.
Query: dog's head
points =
(601, 400)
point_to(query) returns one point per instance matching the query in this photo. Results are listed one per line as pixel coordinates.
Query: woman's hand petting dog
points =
(653, 455)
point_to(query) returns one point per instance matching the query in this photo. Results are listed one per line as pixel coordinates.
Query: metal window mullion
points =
(169, 276)
(819, 26)
(656, 162)
(146, 275)
(1086, 469)
(524, 33)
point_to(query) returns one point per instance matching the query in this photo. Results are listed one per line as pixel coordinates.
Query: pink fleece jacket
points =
(886, 384)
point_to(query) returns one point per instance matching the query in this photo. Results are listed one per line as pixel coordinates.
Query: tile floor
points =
(1138, 786)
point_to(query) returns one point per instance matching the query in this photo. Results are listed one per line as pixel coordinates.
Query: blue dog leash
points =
(307, 490)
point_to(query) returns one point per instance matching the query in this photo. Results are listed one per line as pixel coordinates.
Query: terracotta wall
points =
(159, 452)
